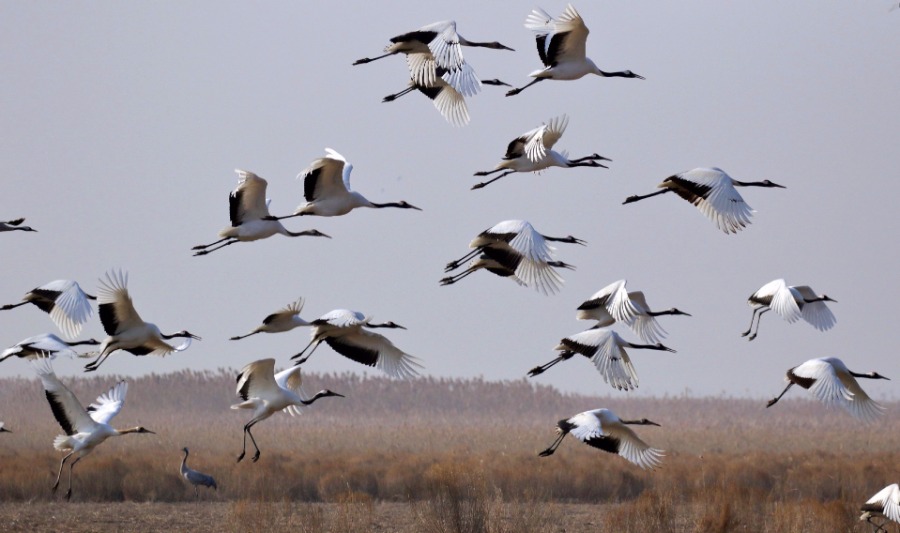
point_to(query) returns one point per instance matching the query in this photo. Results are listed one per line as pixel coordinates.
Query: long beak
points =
(195, 337)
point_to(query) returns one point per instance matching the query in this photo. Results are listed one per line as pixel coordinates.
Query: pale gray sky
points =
(123, 121)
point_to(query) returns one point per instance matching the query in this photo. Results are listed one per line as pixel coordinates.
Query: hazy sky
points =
(122, 123)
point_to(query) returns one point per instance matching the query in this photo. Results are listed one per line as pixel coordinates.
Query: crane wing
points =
(448, 101)
(115, 308)
(248, 200)
(712, 192)
(463, 79)
(292, 380)
(889, 499)
(108, 405)
(445, 45)
(66, 408)
(422, 68)
(827, 386)
(535, 147)
(859, 404)
(341, 318)
(632, 448)
(256, 379)
(643, 324)
(613, 362)
(559, 40)
(816, 313)
(326, 177)
(71, 307)
(374, 349)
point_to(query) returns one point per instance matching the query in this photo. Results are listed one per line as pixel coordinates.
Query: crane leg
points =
(71, 467)
(365, 60)
(549, 451)
(300, 362)
(758, 319)
(59, 473)
(774, 400)
(514, 92)
(247, 427)
(95, 364)
(205, 246)
(392, 97)
(453, 265)
(449, 280)
(492, 180)
(12, 306)
(210, 250)
(592, 157)
(541, 369)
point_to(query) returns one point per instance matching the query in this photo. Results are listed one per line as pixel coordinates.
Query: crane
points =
(250, 219)
(15, 225)
(126, 330)
(65, 302)
(285, 319)
(343, 330)
(713, 192)
(194, 477)
(884, 504)
(790, 303)
(606, 349)
(85, 428)
(614, 303)
(832, 383)
(266, 393)
(533, 152)
(561, 47)
(602, 429)
(45, 345)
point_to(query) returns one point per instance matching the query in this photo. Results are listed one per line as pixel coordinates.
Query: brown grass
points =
(461, 456)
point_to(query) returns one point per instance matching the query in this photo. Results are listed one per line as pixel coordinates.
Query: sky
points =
(122, 124)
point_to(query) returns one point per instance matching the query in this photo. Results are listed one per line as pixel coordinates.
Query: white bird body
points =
(44, 345)
(249, 214)
(266, 393)
(606, 350)
(68, 306)
(85, 428)
(344, 331)
(885, 503)
(832, 383)
(285, 319)
(790, 303)
(614, 303)
(602, 429)
(514, 249)
(713, 192)
(124, 326)
(561, 45)
(533, 152)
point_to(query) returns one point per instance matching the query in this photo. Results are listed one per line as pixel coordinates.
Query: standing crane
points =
(285, 319)
(266, 393)
(250, 219)
(561, 47)
(85, 428)
(15, 225)
(194, 477)
(343, 330)
(790, 303)
(533, 152)
(45, 345)
(831, 382)
(614, 303)
(126, 330)
(713, 192)
(64, 301)
(606, 349)
(602, 429)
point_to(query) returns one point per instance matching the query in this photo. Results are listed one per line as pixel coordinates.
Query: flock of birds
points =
(512, 248)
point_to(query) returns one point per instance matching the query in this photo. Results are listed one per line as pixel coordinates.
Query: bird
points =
(3, 428)
(343, 330)
(326, 188)
(195, 478)
(884, 504)
(440, 41)
(250, 219)
(126, 330)
(85, 428)
(64, 301)
(614, 303)
(266, 393)
(514, 249)
(561, 47)
(449, 101)
(45, 345)
(606, 349)
(790, 303)
(602, 429)
(533, 152)
(15, 225)
(713, 192)
(285, 319)
(829, 379)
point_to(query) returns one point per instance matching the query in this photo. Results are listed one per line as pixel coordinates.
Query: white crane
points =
(126, 330)
(449, 101)
(85, 428)
(326, 188)
(439, 42)
(514, 249)
(606, 349)
(602, 429)
(561, 46)
(3, 428)
(884, 504)
(194, 477)
(45, 345)
(533, 152)
(790, 303)
(15, 225)
(614, 303)
(266, 393)
(343, 330)
(285, 319)
(250, 219)
(832, 383)
(713, 192)
(64, 301)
